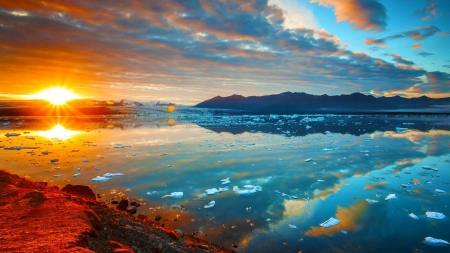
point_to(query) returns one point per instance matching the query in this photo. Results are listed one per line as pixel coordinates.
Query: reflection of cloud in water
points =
(326, 193)
(376, 185)
(349, 221)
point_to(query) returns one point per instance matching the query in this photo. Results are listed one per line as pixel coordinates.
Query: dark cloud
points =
(439, 82)
(400, 60)
(416, 33)
(425, 54)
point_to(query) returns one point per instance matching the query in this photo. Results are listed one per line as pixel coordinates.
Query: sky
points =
(187, 51)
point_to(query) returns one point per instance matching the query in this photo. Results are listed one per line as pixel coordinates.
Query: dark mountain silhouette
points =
(290, 102)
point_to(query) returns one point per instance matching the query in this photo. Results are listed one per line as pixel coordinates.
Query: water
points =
(352, 158)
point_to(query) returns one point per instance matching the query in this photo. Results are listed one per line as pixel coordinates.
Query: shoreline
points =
(39, 218)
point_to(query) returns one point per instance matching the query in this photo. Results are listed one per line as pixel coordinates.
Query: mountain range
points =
(293, 102)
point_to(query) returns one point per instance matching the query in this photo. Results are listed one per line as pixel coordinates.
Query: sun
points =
(56, 96)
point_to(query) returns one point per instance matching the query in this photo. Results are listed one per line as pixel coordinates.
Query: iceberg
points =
(308, 160)
(330, 222)
(175, 195)
(100, 179)
(435, 215)
(293, 226)
(76, 175)
(210, 204)
(391, 197)
(413, 216)
(439, 190)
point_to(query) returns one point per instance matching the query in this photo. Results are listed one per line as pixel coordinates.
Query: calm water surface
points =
(310, 168)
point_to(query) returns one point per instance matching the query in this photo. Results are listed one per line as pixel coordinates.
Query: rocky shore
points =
(37, 218)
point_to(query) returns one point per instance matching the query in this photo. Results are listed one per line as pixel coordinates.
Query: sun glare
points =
(56, 96)
(59, 132)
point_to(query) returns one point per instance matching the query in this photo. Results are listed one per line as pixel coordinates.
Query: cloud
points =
(370, 41)
(430, 9)
(443, 34)
(446, 66)
(362, 14)
(400, 60)
(416, 33)
(417, 45)
(187, 51)
(425, 54)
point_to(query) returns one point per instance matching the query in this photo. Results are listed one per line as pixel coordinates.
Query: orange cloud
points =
(370, 41)
(348, 217)
(417, 45)
(369, 15)
(324, 194)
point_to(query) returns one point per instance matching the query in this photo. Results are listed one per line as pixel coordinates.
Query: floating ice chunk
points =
(226, 182)
(77, 169)
(11, 134)
(440, 191)
(57, 176)
(210, 204)
(76, 175)
(150, 193)
(293, 226)
(113, 174)
(248, 191)
(211, 191)
(249, 186)
(100, 179)
(330, 222)
(85, 160)
(391, 197)
(320, 180)
(175, 195)
(435, 242)
(372, 201)
(223, 189)
(268, 219)
(435, 215)
(429, 168)
(344, 232)
(400, 129)
(413, 216)
(308, 160)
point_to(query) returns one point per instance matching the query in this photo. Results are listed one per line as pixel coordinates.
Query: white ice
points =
(175, 195)
(100, 179)
(371, 201)
(434, 241)
(439, 190)
(113, 174)
(391, 197)
(435, 215)
(293, 226)
(210, 204)
(330, 222)
(211, 191)
(413, 216)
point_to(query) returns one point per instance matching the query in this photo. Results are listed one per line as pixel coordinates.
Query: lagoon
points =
(308, 167)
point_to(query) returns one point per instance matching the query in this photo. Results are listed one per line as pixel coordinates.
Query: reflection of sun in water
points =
(171, 121)
(58, 132)
(56, 96)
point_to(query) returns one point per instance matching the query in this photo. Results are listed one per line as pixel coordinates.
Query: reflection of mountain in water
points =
(297, 125)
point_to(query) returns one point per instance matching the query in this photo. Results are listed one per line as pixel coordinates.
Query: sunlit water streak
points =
(352, 159)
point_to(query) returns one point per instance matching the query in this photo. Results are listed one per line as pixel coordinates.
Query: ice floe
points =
(426, 167)
(330, 222)
(225, 181)
(439, 191)
(211, 191)
(372, 201)
(175, 195)
(249, 189)
(391, 197)
(435, 242)
(413, 216)
(76, 175)
(435, 215)
(100, 179)
(113, 174)
(210, 204)
(293, 226)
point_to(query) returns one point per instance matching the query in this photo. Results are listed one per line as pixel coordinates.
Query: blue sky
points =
(189, 51)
